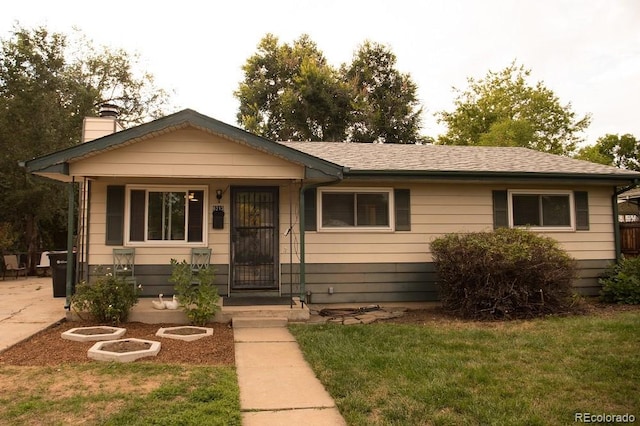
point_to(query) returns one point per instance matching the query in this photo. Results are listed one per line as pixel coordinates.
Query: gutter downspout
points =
(616, 221)
(301, 209)
(70, 227)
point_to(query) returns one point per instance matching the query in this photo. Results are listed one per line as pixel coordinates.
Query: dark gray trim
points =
(402, 207)
(61, 168)
(500, 209)
(180, 120)
(399, 282)
(581, 201)
(155, 278)
(310, 212)
(601, 178)
(115, 201)
(366, 282)
(589, 272)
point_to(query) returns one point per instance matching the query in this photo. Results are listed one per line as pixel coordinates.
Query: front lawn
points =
(538, 372)
(138, 393)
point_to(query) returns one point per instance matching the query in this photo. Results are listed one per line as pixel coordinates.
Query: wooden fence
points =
(630, 238)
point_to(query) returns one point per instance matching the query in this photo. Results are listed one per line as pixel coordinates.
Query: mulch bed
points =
(48, 348)
(123, 346)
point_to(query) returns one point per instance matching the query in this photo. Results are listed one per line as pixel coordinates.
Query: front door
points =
(254, 238)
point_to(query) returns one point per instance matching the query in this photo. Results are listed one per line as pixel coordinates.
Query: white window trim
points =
(160, 243)
(360, 229)
(572, 213)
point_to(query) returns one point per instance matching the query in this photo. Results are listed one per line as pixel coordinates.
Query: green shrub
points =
(108, 299)
(195, 292)
(508, 273)
(621, 282)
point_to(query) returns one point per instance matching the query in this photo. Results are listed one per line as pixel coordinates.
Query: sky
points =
(586, 51)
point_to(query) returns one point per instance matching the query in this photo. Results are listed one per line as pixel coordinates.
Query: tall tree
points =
(385, 105)
(47, 86)
(290, 92)
(504, 109)
(614, 150)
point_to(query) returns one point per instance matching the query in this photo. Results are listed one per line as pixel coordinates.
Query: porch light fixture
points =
(192, 197)
(219, 194)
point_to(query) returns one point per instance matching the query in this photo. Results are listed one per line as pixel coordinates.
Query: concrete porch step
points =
(144, 312)
(259, 322)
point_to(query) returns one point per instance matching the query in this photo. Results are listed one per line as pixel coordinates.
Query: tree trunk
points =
(32, 235)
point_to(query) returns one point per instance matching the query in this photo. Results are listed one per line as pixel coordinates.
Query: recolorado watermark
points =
(603, 418)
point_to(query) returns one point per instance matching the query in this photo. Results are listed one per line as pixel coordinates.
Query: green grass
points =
(538, 372)
(119, 394)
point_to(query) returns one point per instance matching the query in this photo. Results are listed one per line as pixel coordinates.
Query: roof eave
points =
(611, 178)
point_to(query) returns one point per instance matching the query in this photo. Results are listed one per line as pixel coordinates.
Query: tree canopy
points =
(48, 84)
(614, 150)
(290, 92)
(504, 109)
(384, 103)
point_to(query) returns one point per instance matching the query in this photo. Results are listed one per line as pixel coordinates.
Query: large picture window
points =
(553, 210)
(166, 215)
(348, 209)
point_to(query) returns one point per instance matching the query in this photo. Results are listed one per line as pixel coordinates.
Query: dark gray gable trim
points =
(179, 120)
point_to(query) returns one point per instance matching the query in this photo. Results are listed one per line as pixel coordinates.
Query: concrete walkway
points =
(277, 386)
(27, 306)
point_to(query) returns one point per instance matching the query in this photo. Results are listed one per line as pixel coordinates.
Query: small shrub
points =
(508, 273)
(108, 299)
(195, 292)
(621, 282)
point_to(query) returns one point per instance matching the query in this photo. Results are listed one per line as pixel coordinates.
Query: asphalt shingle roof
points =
(443, 158)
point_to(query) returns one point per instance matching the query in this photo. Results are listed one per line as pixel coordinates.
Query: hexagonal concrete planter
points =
(95, 333)
(188, 333)
(123, 350)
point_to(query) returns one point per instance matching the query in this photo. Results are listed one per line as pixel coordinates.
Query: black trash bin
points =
(58, 260)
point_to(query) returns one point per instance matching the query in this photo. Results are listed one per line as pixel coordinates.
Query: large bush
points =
(621, 282)
(109, 299)
(508, 273)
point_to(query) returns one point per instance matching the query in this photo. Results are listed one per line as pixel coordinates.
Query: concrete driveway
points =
(27, 306)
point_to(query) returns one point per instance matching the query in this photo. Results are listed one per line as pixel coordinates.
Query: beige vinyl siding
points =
(187, 153)
(598, 241)
(217, 239)
(101, 254)
(435, 210)
(438, 209)
(97, 127)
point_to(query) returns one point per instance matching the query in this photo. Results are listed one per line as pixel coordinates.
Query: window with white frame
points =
(343, 209)
(166, 215)
(536, 209)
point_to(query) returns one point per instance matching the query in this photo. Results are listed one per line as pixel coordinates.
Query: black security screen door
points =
(254, 238)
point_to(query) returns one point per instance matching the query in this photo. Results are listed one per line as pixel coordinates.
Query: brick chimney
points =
(105, 124)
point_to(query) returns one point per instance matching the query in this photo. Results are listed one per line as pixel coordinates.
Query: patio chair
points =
(124, 264)
(12, 265)
(45, 264)
(200, 258)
